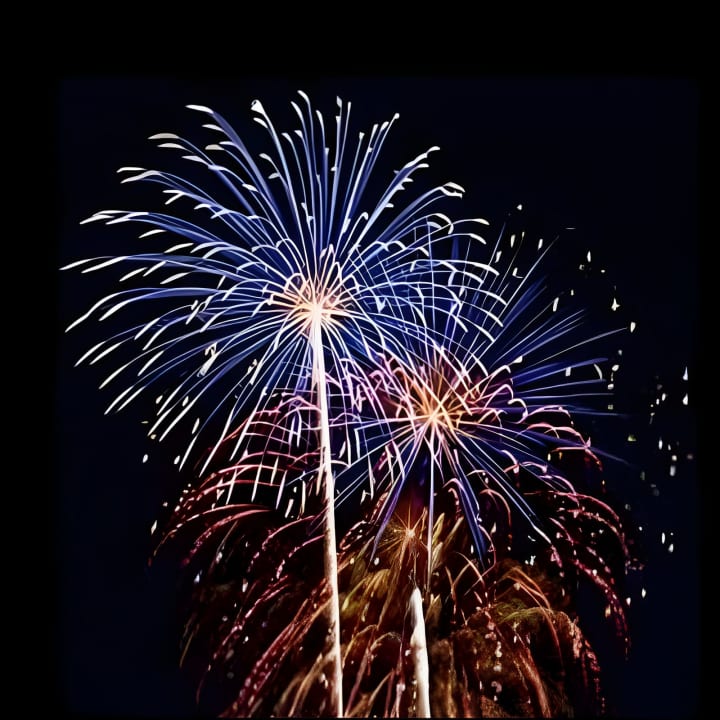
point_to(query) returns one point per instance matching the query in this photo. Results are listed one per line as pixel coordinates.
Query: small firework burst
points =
(497, 642)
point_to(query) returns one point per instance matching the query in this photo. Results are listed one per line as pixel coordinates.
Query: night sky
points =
(614, 157)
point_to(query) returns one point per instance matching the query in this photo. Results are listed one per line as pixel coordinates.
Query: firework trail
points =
(282, 279)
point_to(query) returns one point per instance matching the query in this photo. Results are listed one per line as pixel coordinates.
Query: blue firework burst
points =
(305, 259)
(493, 397)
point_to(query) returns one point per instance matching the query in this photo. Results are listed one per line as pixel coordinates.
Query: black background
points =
(615, 157)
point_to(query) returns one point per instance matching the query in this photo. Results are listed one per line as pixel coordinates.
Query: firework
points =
(301, 261)
(453, 407)
(490, 410)
(492, 643)
(280, 280)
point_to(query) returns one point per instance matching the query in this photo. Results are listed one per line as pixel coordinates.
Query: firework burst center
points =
(308, 305)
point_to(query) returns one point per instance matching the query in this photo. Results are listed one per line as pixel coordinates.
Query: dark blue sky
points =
(614, 157)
